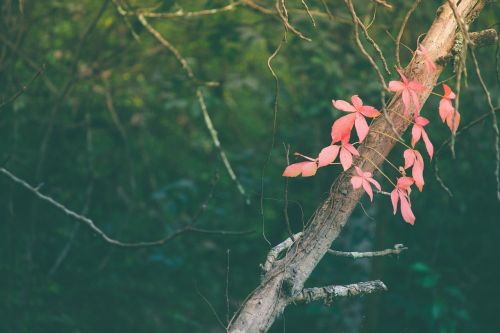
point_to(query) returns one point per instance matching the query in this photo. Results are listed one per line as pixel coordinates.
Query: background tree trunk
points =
(286, 279)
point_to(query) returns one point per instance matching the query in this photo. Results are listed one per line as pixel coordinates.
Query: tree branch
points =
(89, 223)
(328, 293)
(398, 248)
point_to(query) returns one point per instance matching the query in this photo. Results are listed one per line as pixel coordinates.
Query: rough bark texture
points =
(286, 279)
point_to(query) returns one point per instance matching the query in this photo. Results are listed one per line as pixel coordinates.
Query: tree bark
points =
(286, 279)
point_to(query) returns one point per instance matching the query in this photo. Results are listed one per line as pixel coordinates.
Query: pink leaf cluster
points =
(341, 148)
(429, 63)
(414, 159)
(401, 193)
(329, 154)
(365, 180)
(418, 132)
(408, 90)
(342, 127)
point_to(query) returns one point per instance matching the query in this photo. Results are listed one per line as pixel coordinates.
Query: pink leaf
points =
(369, 111)
(406, 211)
(445, 109)
(448, 93)
(428, 144)
(375, 183)
(394, 200)
(406, 101)
(293, 170)
(409, 156)
(361, 127)
(350, 148)
(429, 63)
(341, 128)
(416, 101)
(450, 121)
(356, 102)
(396, 86)
(345, 158)
(416, 133)
(328, 155)
(356, 182)
(417, 171)
(343, 106)
(309, 169)
(404, 183)
(368, 189)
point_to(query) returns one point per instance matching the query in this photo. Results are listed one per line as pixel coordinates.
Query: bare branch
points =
(182, 14)
(398, 248)
(328, 293)
(89, 223)
(201, 100)
(355, 20)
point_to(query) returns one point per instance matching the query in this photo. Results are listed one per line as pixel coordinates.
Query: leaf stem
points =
(393, 138)
(385, 159)
(379, 170)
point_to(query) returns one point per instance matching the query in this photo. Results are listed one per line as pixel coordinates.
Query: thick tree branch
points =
(328, 293)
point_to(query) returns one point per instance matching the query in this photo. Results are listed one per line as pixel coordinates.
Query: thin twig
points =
(402, 29)
(494, 123)
(355, 20)
(23, 88)
(227, 287)
(182, 14)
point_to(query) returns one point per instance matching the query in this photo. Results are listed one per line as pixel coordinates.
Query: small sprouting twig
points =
(402, 29)
(275, 251)
(398, 248)
(329, 293)
(283, 14)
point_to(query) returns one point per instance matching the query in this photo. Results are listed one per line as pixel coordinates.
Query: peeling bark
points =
(286, 279)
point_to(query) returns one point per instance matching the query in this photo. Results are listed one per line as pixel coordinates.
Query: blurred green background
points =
(112, 129)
